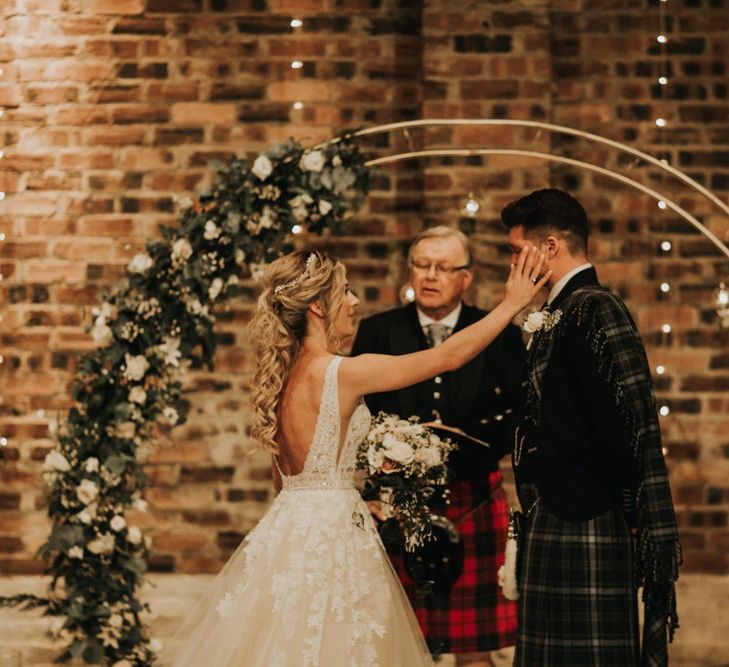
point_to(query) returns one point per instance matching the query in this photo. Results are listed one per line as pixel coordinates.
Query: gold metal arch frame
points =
(466, 152)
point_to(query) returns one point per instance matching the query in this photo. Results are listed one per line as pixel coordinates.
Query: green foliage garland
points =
(150, 328)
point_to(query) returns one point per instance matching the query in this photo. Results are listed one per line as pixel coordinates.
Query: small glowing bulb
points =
(2, 71)
(297, 229)
(666, 328)
(2, 236)
(2, 359)
(663, 80)
(296, 23)
(722, 296)
(666, 246)
(2, 196)
(407, 293)
(662, 205)
(664, 411)
(298, 105)
(2, 154)
(660, 369)
(40, 413)
(661, 122)
(3, 442)
(470, 206)
(664, 450)
(296, 64)
(661, 39)
(2, 112)
(665, 287)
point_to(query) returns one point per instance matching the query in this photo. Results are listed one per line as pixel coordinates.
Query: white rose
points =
(134, 535)
(102, 335)
(92, 464)
(117, 523)
(181, 249)
(397, 450)
(324, 206)
(75, 552)
(137, 395)
(262, 167)
(312, 161)
(336, 161)
(87, 491)
(240, 257)
(140, 505)
(55, 461)
(170, 415)
(428, 456)
(84, 516)
(375, 458)
(215, 288)
(103, 544)
(140, 263)
(534, 321)
(211, 230)
(136, 367)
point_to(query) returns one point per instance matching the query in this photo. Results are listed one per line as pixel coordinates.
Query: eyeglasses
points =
(440, 269)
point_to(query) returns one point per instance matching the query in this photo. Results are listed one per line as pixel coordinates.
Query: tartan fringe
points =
(657, 571)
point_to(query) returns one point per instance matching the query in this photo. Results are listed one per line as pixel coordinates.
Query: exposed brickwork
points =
(115, 108)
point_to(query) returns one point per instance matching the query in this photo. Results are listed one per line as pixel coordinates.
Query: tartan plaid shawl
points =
(621, 361)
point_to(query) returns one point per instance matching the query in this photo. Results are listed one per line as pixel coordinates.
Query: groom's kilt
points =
(577, 601)
(475, 616)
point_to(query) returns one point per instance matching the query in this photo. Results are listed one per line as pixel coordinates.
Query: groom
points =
(588, 464)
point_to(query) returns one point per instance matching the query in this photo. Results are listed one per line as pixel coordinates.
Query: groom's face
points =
(517, 242)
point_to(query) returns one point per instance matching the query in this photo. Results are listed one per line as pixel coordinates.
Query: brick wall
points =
(114, 108)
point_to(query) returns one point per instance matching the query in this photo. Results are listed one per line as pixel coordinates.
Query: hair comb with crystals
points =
(279, 289)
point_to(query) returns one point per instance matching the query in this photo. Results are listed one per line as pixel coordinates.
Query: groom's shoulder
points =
(599, 303)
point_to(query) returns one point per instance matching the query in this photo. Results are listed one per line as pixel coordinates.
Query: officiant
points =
(452, 583)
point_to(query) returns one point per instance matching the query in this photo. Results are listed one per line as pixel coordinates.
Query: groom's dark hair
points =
(549, 210)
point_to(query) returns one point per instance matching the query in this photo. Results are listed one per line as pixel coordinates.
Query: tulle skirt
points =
(310, 586)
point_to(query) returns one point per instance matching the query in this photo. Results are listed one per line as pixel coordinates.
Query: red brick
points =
(199, 112)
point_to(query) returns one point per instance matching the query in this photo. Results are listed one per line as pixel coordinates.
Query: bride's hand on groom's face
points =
(526, 278)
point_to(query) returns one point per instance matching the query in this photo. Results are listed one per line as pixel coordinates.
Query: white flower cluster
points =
(405, 460)
(396, 444)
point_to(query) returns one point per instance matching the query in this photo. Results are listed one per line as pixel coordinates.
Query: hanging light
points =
(296, 64)
(660, 369)
(721, 300)
(662, 205)
(661, 39)
(664, 411)
(296, 23)
(298, 105)
(666, 246)
(661, 122)
(297, 229)
(665, 288)
(470, 206)
(407, 293)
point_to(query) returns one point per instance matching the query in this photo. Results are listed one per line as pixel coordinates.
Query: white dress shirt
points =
(450, 320)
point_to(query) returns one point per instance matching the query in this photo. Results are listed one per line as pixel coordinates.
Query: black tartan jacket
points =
(480, 398)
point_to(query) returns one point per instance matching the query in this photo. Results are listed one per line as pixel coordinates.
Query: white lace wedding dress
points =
(311, 585)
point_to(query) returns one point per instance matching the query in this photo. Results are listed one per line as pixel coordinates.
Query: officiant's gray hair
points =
(442, 232)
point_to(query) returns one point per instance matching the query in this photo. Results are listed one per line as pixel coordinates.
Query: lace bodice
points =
(326, 467)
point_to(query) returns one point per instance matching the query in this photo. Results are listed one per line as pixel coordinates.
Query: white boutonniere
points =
(540, 320)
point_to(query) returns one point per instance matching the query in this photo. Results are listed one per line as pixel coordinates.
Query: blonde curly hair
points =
(290, 284)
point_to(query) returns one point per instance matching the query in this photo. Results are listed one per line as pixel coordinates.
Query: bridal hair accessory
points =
(280, 289)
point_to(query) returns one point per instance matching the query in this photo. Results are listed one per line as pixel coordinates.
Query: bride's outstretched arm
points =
(372, 373)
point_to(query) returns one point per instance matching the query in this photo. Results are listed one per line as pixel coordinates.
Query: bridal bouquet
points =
(405, 461)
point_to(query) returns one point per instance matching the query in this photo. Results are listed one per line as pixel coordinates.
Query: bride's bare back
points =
(299, 407)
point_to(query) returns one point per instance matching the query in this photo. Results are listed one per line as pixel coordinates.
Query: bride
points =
(311, 585)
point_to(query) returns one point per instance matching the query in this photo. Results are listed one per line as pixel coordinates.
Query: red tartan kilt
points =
(475, 617)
